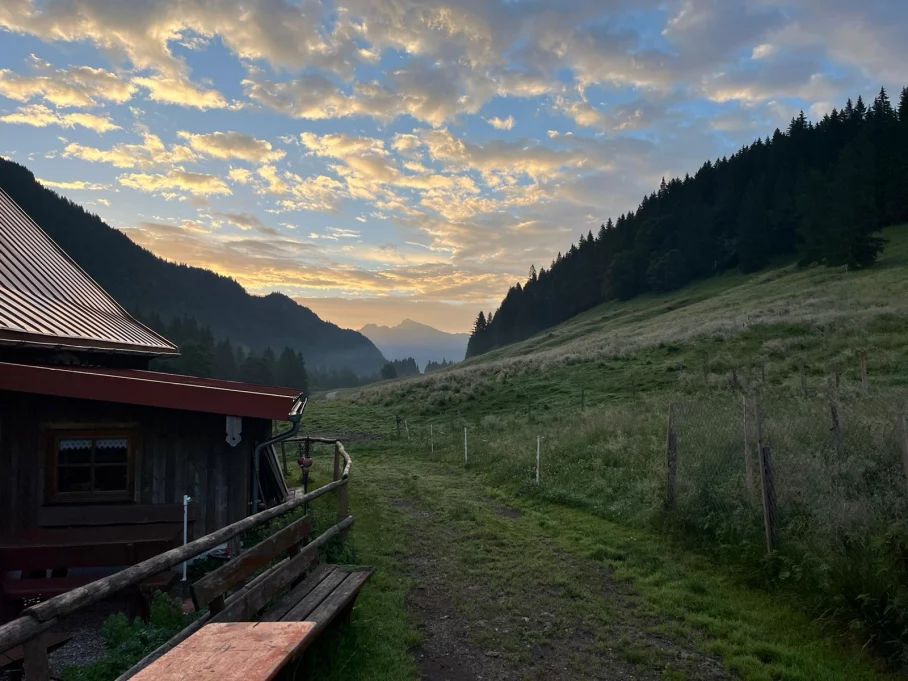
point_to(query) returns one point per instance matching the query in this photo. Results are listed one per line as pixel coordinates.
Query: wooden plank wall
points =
(180, 453)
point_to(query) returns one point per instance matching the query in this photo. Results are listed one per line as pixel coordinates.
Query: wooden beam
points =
(338, 599)
(311, 600)
(281, 576)
(221, 580)
(122, 514)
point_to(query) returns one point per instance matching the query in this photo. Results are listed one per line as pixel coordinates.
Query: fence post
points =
(671, 451)
(538, 452)
(432, 438)
(905, 446)
(407, 428)
(343, 497)
(36, 665)
(767, 484)
(748, 463)
(465, 459)
(836, 426)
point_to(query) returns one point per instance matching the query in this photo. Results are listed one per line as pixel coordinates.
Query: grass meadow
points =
(823, 352)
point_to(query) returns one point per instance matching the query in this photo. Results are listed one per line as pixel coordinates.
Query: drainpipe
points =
(295, 416)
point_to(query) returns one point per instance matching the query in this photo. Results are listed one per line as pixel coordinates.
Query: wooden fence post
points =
(465, 459)
(671, 452)
(767, 484)
(836, 427)
(407, 428)
(343, 496)
(36, 665)
(432, 438)
(748, 463)
(538, 456)
(905, 446)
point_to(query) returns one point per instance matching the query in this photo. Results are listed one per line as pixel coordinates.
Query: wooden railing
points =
(30, 628)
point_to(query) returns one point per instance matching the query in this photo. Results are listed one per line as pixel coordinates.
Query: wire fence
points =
(817, 484)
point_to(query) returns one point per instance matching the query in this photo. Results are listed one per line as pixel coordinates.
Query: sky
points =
(386, 159)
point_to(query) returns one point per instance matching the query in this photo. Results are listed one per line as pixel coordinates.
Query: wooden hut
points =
(96, 451)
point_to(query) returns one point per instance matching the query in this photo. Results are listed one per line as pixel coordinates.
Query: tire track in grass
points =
(494, 599)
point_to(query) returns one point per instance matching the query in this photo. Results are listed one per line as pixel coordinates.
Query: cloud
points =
(176, 182)
(342, 146)
(232, 145)
(150, 153)
(81, 86)
(171, 90)
(501, 123)
(40, 116)
(318, 193)
(74, 185)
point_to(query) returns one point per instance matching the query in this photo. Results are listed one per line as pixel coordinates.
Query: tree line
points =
(201, 355)
(817, 193)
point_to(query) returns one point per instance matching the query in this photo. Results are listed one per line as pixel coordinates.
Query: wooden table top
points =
(247, 651)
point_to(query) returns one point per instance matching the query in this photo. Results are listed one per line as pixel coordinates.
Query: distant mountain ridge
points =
(148, 285)
(419, 341)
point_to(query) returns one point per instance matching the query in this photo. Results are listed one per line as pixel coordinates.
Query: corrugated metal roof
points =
(150, 388)
(46, 299)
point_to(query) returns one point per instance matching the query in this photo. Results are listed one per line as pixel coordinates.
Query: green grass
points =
(843, 508)
(544, 557)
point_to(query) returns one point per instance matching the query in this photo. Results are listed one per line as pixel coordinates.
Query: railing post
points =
(36, 666)
(343, 498)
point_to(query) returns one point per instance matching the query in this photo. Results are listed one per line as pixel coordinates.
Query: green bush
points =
(126, 642)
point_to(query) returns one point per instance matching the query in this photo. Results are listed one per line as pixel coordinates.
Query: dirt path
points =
(494, 599)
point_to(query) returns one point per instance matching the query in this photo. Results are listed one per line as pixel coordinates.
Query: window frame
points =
(55, 435)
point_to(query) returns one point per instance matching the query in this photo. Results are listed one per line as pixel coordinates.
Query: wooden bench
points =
(298, 587)
(279, 581)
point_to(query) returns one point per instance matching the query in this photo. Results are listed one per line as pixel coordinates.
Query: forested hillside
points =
(154, 289)
(817, 193)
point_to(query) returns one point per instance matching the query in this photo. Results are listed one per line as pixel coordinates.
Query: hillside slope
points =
(146, 284)
(817, 355)
(778, 320)
(419, 341)
(816, 193)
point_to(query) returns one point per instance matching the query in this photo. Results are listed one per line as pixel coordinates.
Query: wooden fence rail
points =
(29, 628)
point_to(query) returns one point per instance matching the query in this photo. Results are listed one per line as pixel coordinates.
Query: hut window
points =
(92, 467)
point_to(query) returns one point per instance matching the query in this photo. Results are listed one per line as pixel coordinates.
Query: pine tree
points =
(753, 229)
(853, 216)
(291, 370)
(225, 361)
